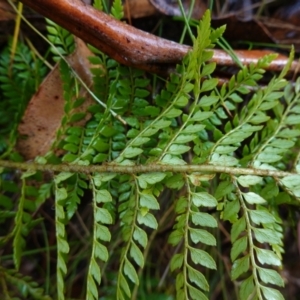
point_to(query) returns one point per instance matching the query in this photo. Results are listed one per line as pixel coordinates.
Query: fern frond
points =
(117, 9)
(184, 86)
(98, 4)
(254, 228)
(248, 121)
(65, 141)
(23, 218)
(101, 233)
(61, 38)
(128, 213)
(277, 139)
(19, 241)
(63, 247)
(24, 285)
(135, 214)
(190, 282)
(18, 82)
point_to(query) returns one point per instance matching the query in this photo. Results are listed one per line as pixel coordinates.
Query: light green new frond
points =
(184, 87)
(98, 4)
(193, 85)
(117, 9)
(287, 66)
(216, 34)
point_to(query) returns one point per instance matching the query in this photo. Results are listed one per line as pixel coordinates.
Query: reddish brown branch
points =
(128, 45)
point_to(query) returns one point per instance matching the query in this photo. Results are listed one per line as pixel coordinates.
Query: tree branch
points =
(131, 46)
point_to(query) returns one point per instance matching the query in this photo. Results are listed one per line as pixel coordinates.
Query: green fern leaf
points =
(117, 9)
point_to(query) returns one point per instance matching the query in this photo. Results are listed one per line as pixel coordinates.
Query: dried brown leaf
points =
(171, 8)
(43, 115)
(138, 9)
(6, 12)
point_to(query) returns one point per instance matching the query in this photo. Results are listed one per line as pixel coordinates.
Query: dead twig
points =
(131, 46)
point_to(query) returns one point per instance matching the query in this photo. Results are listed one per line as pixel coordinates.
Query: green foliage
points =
(188, 120)
(61, 39)
(101, 233)
(98, 4)
(256, 227)
(19, 79)
(117, 9)
(190, 282)
(61, 239)
(24, 284)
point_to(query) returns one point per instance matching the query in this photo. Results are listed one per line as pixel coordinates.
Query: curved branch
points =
(128, 45)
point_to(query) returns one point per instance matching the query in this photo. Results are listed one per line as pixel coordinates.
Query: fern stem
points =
(246, 120)
(193, 107)
(250, 243)
(125, 250)
(91, 275)
(114, 168)
(186, 238)
(147, 249)
(17, 232)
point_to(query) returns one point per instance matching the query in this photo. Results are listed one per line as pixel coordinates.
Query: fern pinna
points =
(208, 154)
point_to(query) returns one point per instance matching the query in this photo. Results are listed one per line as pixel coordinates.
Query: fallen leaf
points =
(238, 30)
(6, 12)
(171, 8)
(138, 9)
(43, 115)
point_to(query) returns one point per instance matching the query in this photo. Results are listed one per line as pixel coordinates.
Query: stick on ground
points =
(131, 46)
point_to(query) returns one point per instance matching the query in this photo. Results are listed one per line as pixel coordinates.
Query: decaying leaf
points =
(138, 9)
(43, 115)
(6, 12)
(171, 7)
(246, 21)
(259, 30)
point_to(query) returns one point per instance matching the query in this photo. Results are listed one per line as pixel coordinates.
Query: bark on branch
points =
(128, 45)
